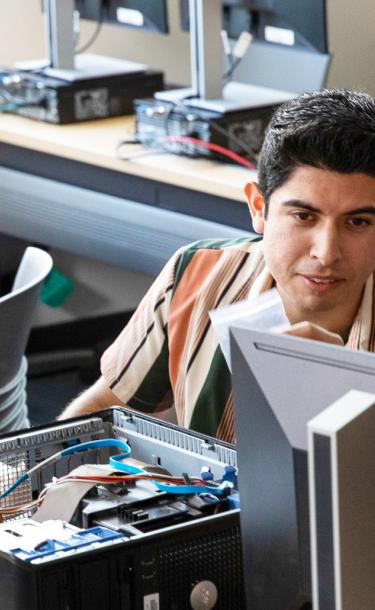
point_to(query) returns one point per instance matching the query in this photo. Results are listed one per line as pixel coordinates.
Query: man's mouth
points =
(321, 280)
(321, 283)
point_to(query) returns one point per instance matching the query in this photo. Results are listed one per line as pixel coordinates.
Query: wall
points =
(352, 44)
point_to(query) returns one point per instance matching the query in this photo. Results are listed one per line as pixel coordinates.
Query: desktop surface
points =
(63, 186)
(95, 143)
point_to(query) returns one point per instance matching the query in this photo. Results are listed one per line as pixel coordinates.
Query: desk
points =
(63, 186)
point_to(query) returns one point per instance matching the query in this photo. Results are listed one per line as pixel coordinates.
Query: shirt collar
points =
(361, 332)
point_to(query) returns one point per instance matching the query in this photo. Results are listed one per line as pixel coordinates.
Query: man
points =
(315, 206)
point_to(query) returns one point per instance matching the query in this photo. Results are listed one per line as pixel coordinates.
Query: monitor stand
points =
(207, 91)
(86, 66)
(235, 96)
(62, 61)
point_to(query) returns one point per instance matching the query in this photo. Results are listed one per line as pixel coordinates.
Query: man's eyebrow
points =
(297, 203)
(365, 210)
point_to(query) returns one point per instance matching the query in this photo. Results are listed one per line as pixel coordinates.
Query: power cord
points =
(240, 143)
(94, 35)
(236, 54)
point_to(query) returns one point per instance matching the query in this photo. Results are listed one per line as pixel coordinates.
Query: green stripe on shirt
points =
(155, 392)
(213, 397)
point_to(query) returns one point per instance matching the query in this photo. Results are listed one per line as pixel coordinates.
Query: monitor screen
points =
(288, 23)
(148, 15)
(236, 17)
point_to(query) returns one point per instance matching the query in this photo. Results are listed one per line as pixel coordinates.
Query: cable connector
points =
(237, 53)
(226, 43)
(206, 474)
(230, 474)
(242, 45)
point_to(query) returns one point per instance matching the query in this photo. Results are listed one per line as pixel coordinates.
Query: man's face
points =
(319, 243)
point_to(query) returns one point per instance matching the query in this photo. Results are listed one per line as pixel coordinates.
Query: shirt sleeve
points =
(136, 365)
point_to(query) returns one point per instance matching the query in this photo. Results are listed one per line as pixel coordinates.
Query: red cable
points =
(132, 477)
(216, 147)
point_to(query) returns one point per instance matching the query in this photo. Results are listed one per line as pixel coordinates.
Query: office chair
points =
(16, 311)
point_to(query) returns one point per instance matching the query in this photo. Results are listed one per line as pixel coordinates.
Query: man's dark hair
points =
(328, 129)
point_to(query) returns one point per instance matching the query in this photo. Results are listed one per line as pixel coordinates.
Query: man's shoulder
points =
(244, 244)
(200, 256)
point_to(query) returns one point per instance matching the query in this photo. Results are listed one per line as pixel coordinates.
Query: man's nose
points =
(326, 245)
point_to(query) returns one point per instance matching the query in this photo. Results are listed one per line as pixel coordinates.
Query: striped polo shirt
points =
(168, 353)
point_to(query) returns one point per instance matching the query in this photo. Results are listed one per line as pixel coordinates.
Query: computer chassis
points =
(163, 551)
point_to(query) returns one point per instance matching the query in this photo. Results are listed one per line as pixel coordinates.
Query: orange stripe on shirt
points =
(183, 302)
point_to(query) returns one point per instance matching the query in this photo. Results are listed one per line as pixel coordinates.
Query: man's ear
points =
(255, 201)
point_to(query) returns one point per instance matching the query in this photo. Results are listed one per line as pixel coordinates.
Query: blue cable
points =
(9, 490)
(109, 442)
(116, 461)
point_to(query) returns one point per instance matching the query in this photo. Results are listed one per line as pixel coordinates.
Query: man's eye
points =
(302, 216)
(359, 222)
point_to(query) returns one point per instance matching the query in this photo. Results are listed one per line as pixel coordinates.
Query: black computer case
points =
(190, 564)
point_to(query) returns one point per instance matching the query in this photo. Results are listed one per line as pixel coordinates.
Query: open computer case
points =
(128, 546)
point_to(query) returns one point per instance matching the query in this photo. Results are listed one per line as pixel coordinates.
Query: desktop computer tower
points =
(52, 100)
(176, 553)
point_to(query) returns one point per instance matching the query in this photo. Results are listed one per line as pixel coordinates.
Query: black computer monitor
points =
(306, 21)
(236, 17)
(290, 23)
(288, 52)
(148, 15)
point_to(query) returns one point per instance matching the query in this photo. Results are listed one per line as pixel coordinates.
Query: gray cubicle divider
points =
(116, 230)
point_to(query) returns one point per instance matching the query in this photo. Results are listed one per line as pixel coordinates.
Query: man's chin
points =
(316, 305)
(305, 305)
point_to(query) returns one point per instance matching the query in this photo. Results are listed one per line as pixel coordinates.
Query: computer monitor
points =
(289, 23)
(236, 17)
(288, 53)
(66, 63)
(280, 384)
(137, 14)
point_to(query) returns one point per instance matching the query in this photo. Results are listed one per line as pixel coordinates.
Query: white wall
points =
(352, 42)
